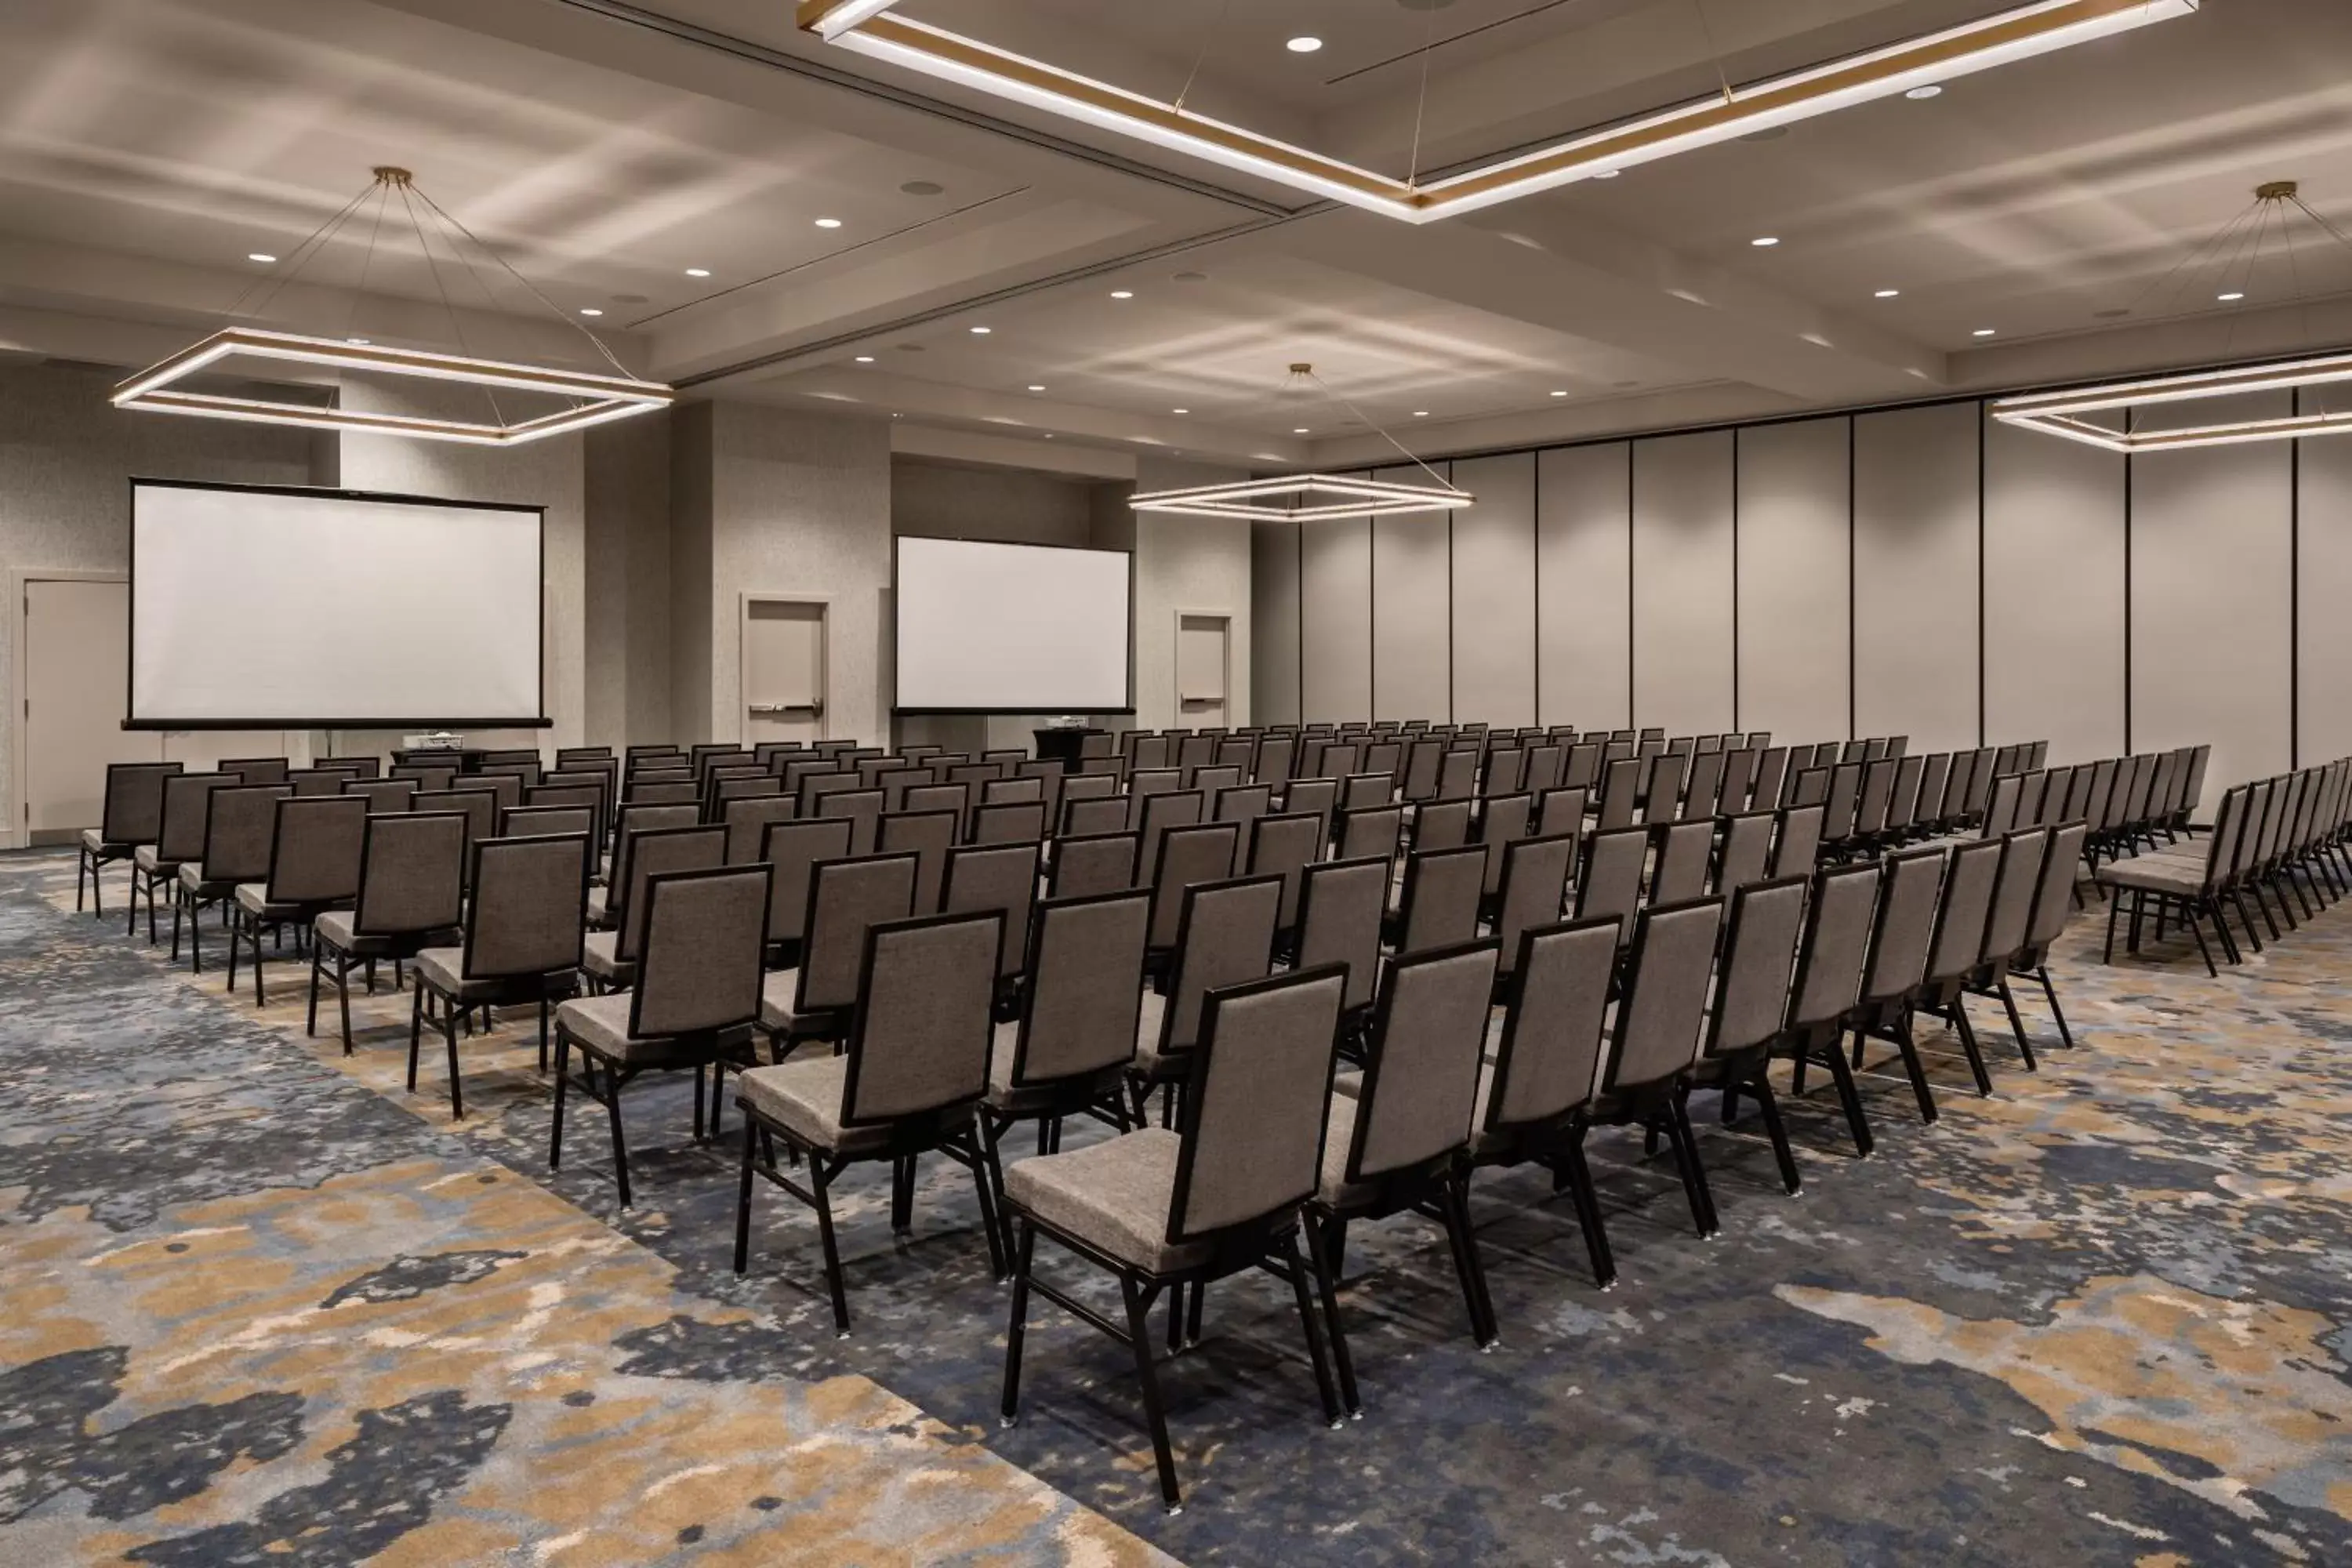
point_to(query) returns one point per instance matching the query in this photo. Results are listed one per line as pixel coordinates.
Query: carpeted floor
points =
(258, 1303)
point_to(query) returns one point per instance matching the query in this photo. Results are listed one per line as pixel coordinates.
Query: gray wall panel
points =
(2053, 573)
(1274, 615)
(1335, 649)
(1915, 575)
(1683, 582)
(1584, 568)
(1495, 591)
(1411, 610)
(2325, 578)
(1795, 636)
(2210, 579)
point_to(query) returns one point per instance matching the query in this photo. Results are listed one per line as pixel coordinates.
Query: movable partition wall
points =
(1923, 571)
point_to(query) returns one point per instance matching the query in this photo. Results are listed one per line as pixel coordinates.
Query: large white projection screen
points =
(1011, 629)
(284, 608)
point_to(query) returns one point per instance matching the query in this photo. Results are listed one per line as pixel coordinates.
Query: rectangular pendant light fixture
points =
(2041, 27)
(1254, 498)
(2061, 413)
(609, 396)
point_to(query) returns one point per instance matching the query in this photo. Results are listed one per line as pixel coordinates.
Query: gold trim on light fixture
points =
(614, 397)
(1367, 497)
(2024, 31)
(2059, 413)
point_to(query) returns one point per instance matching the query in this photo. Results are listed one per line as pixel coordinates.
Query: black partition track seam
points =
(1371, 616)
(1852, 602)
(2294, 589)
(1452, 698)
(1299, 534)
(1981, 416)
(1631, 721)
(2131, 482)
(1535, 559)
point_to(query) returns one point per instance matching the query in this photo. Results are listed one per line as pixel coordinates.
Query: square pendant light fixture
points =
(2064, 413)
(609, 396)
(1288, 499)
(2041, 27)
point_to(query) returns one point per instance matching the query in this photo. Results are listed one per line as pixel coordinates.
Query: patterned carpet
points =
(264, 1305)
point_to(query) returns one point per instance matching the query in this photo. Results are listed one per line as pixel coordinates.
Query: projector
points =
(435, 740)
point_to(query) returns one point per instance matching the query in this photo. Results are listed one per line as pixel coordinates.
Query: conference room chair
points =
(479, 807)
(430, 778)
(1745, 850)
(1797, 846)
(976, 774)
(746, 820)
(1001, 877)
(1735, 792)
(1067, 1051)
(1092, 865)
(2015, 895)
(1315, 796)
(313, 867)
(609, 958)
(1979, 786)
(411, 896)
(1360, 791)
(726, 785)
(1535, 873)
(1241, 804)
(1902, 941)
(1502, 820)
(1373, 830)
(1926, 817)
(524, 774)
(1088, 816)
(1544, 767)
(1209, 779)
(815, 998)
(816, 789)
(1440, 903)
(1649, 748)
(1155, 815)
(908, 1082)
(1147, 751)
(2051, 898)
(1384, 758)
(1173, 1210)
(178, 838)
(520, 945)
(1838, 802)
(581, 796)
(1282, 847)
(1581, 770)
(1662, 789)
(793, 847)
(311, 782)
(1442, 825)
(240, 828)
(542, 821)
(1341, 906)
(1771, 779)
(1399, 1142)
(1547, 1065)
(1185, 856)
(862, 808)
(362, 767)
(1655, 1042)
(1013, 791)
(1225, 936)
(1829, 984)
(1766, 921)
(1457, 773)
(607, 903)
(1276, 755)
(912, 792)
(694, 1005)
(928, 836)
(1422, 760)
(1903, 800)
(654, 790)
(1868, 832)
(130, 818)
(1609, 881)
(1145, 783)
(258, 770)
(1621, 785)
(1239, 753)
(1009, 822)
(1683, 856)
(1048, 776)
(1506, 770)
(604, 753)
(1562, 810)
(1703, 788)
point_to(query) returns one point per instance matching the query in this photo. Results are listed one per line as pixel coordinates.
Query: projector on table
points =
(434, 741)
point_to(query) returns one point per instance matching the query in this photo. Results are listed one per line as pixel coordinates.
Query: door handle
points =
(1200, 699)
(769, 709)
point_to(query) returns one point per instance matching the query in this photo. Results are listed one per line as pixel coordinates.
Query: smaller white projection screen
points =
(1011, 628)
(285, 608)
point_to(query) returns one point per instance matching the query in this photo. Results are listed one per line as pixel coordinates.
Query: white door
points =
(783, 670)
(77, 677)
(1201, 667)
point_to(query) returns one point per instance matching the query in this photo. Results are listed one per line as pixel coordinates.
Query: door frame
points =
(744, 603)
(1176, 662)
(20, 579)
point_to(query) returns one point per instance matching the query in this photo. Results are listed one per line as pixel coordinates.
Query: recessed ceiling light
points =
(1420, 414)
(1180, 411)
(362, 341)
(698, 272)
(1887, 293)
(1305, 44)
(261, 256)
(2232, 294)
(1300, 431)
(922, 188)
(1982, 333)
(1123, 293)
(1608, 173)
(865, 359)
(1561, 393)
(1764, 241)
(981, 331)
(1189, 277)
(1929, 91)
(828, 223)
(1035, 388)
(590, 310)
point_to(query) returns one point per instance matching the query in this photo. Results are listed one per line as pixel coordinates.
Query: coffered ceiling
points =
(147, 146)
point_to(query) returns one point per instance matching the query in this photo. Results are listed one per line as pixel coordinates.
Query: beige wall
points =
(628, 592)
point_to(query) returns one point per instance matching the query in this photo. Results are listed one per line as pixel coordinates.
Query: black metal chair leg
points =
(1138, 1333)
(744, 1198)
(2204, 951)
(1302, 1293)
(1587, 1201)
(1913, 1069)
(1017, 1330)
(562, 1081)
(1694, 1187)
(820, 1185)
(1769, 1104)
(2050, 992)
(456, 1091)
(2017, 1024)
(613, 1081)
(1969, 1047)
(1849, 1098)
(1328, 1288)
(310, 1018)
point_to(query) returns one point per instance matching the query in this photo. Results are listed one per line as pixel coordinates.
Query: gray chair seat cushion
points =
(192, 878)
(776, 994)
(1114, 1195)
(94, 838)
(335, 928)
(601, 1025)
(598, 906)
(253, 898)
(2151, 874)
(598, 955)
(1331, 1188)
(443, 968)
(144, 858)
(1030, 1098)
(804, 1098)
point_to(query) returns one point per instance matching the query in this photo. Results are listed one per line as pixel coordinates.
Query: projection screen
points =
(261, 608)
(985, 627)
